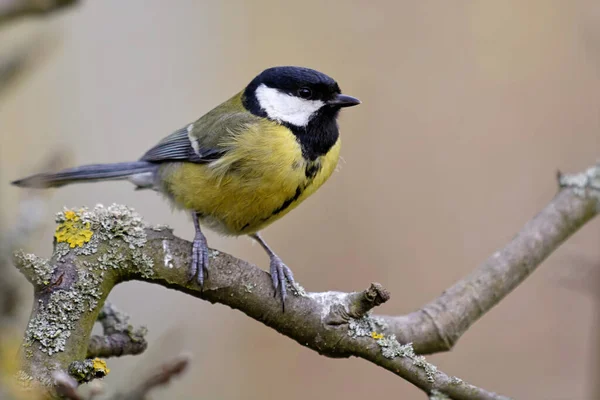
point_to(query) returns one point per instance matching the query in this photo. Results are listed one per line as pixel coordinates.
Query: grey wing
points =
(178, 147)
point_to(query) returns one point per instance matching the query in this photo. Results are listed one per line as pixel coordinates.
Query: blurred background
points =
(469, 108)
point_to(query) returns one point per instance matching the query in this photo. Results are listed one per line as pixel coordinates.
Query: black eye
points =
(305, 93)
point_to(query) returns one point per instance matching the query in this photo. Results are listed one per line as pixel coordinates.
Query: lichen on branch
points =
(93, 250)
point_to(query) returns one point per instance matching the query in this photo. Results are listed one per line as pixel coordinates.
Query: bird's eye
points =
(305, 93)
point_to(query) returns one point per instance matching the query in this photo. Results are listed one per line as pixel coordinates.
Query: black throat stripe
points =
(319, 136)
(312, 169)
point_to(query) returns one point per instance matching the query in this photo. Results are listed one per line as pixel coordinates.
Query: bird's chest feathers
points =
(262, 177)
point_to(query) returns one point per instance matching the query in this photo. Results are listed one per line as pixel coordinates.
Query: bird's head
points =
(295, 95)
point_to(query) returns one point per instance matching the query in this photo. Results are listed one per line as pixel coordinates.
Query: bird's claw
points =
(280, 275)
(199, 267)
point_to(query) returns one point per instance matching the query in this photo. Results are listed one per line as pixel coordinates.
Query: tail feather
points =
(87, 173)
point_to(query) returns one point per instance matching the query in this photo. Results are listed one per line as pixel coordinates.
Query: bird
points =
(241, 166)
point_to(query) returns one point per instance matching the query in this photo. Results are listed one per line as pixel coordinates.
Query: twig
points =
(161, 377)
(119, 339)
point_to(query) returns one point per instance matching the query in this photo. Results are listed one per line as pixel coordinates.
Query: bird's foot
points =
(281, 275)
(199, 267)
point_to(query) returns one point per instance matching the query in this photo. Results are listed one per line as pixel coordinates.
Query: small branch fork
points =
(119, 338)
(334, 324)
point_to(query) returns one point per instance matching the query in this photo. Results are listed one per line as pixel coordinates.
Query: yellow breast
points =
(260, 179)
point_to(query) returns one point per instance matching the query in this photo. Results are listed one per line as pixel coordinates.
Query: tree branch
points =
(98, 249)
(438, 325)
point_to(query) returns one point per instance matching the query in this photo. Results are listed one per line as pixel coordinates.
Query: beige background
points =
(469, 107)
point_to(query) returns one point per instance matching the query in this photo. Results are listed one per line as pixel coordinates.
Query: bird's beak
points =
(342, 100)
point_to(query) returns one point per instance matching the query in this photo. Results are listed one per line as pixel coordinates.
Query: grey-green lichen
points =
(437, 395)
(379, 322)
(106, 223)
(24, 379)
(112, 259)
(298, 290)
(28, 386)
(585, 184)
(456, 381)
(137, 334)
(87, 370)
(364, 326)
(391, 348)
(143, 263)
(28, 352)
(115, 320)
(117, 221)
(37, 268)
(158, 227)
(28, 383)
(55, 319)
(88, 286)
(368, 326)
(61, 250)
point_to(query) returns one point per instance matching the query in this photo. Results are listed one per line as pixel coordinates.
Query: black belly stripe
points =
(288, 202)
(283, 205)
(310, 173)
(311, 170)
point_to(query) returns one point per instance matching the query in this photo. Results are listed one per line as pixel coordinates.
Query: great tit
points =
(242, 165)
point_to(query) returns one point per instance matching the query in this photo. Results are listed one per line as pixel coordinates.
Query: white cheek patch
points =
(283, 107)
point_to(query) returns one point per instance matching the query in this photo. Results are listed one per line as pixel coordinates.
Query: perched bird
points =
(242, 165)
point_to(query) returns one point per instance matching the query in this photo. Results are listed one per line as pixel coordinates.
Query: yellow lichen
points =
(100, 366)
(71, 215)
(376, 335)
(73, 231)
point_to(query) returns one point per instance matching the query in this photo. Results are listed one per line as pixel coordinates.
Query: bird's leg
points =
(280, 273)
(199, 265)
